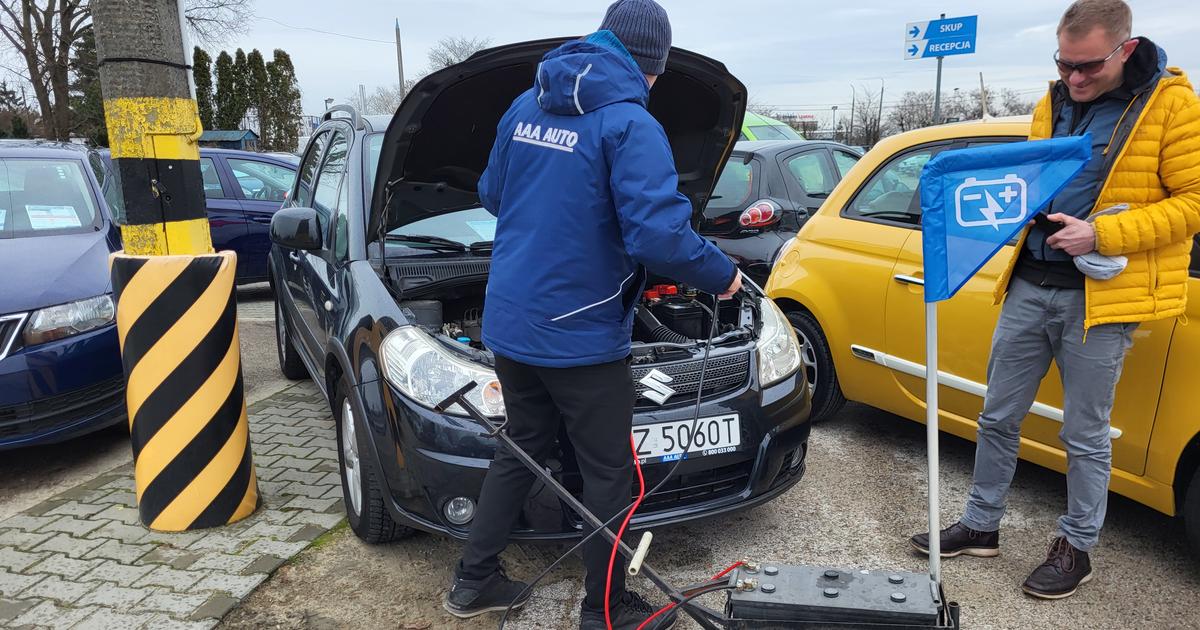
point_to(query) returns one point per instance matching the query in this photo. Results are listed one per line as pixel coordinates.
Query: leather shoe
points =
(1061, 574)
(960, 540)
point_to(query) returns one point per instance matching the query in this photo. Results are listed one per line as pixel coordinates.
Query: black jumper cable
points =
(747, 613)
(680, 598)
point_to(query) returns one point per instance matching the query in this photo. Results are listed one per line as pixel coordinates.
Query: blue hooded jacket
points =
(583, 184)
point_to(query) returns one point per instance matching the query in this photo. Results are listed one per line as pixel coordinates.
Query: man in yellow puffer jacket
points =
(1144, 118)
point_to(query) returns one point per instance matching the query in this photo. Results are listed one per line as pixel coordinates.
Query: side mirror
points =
(296, 228)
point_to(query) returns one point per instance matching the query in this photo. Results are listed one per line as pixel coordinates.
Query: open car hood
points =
(438, 142)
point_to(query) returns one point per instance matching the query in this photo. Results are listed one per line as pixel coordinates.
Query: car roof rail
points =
(355, 119)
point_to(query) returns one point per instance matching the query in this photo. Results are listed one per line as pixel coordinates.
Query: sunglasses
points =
(1085, 67)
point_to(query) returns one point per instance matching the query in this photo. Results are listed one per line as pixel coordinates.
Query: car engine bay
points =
(670, 319)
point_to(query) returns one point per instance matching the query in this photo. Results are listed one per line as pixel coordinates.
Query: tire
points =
(289, 362)
(366, 509)
(817, 363)
(1191, 513)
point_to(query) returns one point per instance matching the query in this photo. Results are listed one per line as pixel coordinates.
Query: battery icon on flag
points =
(990, 202)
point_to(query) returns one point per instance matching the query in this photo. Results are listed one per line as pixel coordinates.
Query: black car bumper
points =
(425, 459)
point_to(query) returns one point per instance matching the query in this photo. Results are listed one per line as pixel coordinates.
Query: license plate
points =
(666, 441)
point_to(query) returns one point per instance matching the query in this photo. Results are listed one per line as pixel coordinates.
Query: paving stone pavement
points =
(82, 559)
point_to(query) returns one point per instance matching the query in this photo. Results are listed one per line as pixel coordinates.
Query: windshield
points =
(374, 146)
(465, 226)
(43, 197)
(775, 132)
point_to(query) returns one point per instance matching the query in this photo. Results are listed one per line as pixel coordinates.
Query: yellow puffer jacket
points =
(1158, 174)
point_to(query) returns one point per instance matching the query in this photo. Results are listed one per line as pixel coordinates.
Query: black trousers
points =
(596, 404)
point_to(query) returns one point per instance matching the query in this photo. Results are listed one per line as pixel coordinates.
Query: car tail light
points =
(761, 214)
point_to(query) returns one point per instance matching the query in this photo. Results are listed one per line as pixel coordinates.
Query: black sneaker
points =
(468, 598)
(960, 540)
(1063, 571)
(627, 614)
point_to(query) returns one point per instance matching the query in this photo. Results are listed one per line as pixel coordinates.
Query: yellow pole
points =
(176, 307)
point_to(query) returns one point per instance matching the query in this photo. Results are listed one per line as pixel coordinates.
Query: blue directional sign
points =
(940, 38)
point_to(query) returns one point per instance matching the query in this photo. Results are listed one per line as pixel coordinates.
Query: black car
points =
(766, 192)
(379, 269)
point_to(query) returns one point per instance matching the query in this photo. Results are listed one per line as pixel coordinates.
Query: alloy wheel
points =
(351, 465)
(808, 360)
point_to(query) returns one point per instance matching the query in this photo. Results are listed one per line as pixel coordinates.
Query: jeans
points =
(595, 403)
(1038, 324)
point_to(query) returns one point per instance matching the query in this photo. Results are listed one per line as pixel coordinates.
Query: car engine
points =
(667, 314)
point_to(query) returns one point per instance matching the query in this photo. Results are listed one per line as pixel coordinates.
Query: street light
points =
(835, 123)
(328, 103)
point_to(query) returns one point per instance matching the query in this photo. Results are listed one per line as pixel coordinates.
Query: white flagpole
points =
(931, 437)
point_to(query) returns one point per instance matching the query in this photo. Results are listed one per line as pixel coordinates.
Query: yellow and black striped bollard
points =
(176, 307)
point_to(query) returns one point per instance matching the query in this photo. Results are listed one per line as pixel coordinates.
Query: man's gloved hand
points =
(734, 287)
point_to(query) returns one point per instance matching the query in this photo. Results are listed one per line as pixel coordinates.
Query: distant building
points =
(243, 139)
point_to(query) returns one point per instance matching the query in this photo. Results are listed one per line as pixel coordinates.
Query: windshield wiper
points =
(481, 246)
(438, 241)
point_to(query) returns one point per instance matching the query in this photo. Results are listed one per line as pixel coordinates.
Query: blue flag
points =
(973, 201)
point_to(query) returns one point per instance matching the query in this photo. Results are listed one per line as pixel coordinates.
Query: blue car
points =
(60, 362)
(242, 191)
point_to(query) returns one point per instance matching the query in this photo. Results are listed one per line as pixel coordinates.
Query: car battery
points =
(817, 595)
(682, 316)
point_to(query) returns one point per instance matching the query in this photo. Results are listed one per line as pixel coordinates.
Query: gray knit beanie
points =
(643, 27)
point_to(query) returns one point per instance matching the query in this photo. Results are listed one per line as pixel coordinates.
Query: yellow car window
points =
(890, 193)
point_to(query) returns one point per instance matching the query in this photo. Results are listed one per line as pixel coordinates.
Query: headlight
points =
(64, 320)
(419, 366)
(778, 349)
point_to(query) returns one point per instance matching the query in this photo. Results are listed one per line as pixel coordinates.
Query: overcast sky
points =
(791, 54)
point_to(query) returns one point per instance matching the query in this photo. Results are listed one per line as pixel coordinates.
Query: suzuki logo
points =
(656, 386)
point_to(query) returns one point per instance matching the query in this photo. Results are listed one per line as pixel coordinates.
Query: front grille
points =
(723, 375)
(697, 487)
(680, 491)
(55, 411)
(10, 331)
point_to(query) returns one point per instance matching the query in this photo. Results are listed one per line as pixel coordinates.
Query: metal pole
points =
(835, 123)
(175, 301)
(937, 96)
(937, 91)
(399, 58)
(879, 122)
(850, 134)
(931, 438)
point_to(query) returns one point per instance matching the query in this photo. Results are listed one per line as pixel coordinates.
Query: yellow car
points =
(851, 283)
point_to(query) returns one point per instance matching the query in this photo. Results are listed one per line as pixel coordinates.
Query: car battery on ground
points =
(777, 595)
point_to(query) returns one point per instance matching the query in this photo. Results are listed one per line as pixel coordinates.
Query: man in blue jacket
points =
(583, 184)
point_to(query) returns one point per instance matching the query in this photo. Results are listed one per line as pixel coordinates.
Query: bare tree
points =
(868, 127)
(451, 50)
(384, 100)
(758, 106)
(1012, 104)
(915, 110)
(216, 21)
(43, 32)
